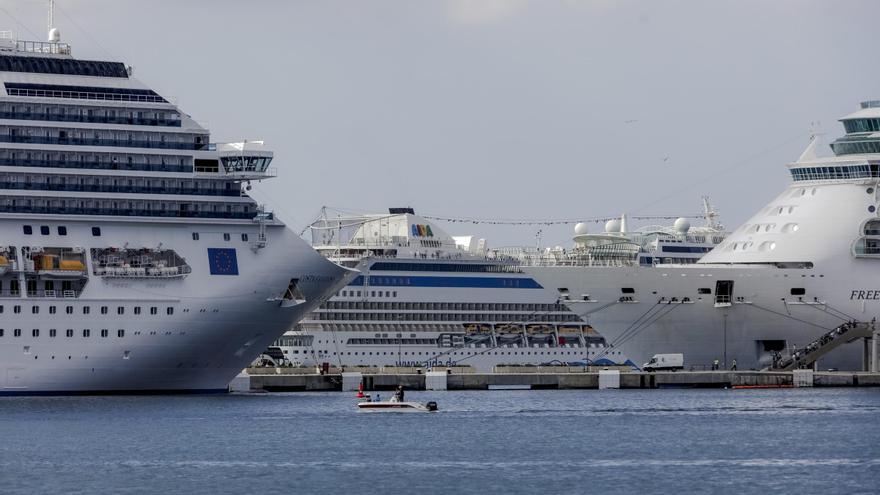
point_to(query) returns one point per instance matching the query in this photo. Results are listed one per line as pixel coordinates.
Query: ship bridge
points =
(248, 160)
(862, 131)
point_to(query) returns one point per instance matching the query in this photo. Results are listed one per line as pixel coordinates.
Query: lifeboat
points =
(48, 265)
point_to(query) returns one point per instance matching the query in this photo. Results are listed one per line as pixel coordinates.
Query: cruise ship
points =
(132, 258)
(426, 298)
(802, 266)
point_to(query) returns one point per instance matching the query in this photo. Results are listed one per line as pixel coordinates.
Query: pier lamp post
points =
(724, 337)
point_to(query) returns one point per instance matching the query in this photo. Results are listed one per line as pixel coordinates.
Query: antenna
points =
(54, 34)
(711, 215)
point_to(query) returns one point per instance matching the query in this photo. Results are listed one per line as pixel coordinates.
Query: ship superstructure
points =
(800, 267)
(426, 298)
(132, 258)
(649, 245)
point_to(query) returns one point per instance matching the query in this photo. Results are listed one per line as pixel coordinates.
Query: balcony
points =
(122, 143)
(141, 167)
(45, 210)
(868, 246)
(100, 188)
(91, 119)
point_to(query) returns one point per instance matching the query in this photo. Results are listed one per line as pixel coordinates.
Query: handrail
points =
(119, 143)
(100, 188)
(54, 117)
(138, 167)
(820, 346)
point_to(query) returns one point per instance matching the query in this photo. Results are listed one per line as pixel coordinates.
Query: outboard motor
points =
(432, 406)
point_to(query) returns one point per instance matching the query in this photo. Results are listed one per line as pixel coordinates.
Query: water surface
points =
(610, 441)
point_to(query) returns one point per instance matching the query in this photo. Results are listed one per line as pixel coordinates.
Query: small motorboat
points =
(397, 406)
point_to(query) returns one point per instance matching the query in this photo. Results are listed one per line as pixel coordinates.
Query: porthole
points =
(869, 190)
(872, 208)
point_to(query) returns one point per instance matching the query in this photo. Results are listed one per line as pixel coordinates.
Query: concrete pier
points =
(281, 380)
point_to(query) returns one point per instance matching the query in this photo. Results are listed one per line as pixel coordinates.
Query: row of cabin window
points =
(441, 306)
(96, 231)
(62, 230)
(351, 293)
(226, 237)
(86, 333)
(462, 353)
(120, 310)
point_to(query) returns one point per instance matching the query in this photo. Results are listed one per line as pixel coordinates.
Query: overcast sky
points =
(498, 109)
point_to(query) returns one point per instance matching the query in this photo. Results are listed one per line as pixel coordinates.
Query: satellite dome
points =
(581, 229)
(612, 226)
(682, 225)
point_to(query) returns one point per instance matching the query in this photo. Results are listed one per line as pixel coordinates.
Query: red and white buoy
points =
(360, 394)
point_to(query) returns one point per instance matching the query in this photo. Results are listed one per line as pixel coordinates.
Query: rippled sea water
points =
(610, 441)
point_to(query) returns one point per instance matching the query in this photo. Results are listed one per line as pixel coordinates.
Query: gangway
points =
(843, 334)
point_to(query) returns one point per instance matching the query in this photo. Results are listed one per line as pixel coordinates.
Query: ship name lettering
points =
(864, 295)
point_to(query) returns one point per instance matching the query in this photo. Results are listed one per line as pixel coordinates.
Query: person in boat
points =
(398, 394)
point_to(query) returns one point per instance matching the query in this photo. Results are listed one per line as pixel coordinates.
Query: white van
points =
(665, 362)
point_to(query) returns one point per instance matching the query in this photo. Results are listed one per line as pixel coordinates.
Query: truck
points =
(665, 362)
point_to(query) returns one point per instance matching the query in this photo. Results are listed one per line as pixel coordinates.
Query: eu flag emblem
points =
(222, 261)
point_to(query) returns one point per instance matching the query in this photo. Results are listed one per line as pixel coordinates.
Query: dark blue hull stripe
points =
(477, 282)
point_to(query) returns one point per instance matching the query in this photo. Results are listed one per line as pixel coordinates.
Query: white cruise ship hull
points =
(204, 330)
(652, 323)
